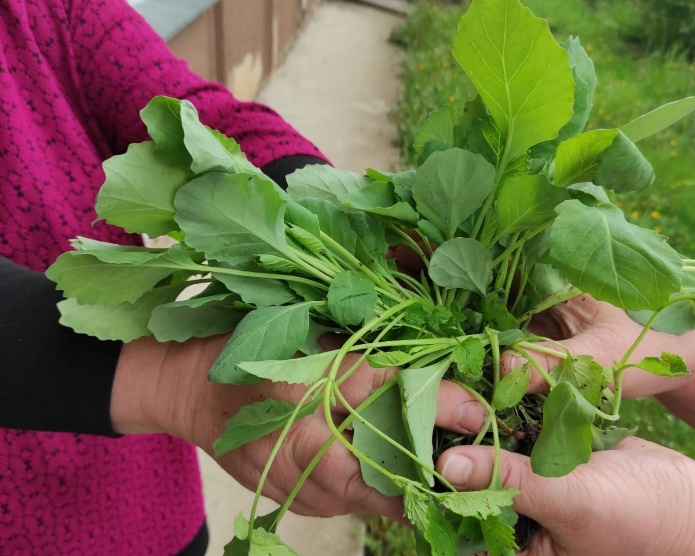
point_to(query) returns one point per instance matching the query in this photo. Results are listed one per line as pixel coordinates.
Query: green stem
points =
(248, 274)
(276, 449)
(352, 260)
(536, 365)
(410, 242)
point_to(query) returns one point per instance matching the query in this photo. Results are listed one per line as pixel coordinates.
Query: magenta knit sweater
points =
(73, 77)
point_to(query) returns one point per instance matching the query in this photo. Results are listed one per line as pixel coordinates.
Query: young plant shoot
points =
(508, 212)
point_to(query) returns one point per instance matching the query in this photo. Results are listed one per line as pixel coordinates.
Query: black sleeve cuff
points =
(279, 169)
(51, 378)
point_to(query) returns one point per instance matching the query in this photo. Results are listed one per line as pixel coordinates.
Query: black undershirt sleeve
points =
(52, 378)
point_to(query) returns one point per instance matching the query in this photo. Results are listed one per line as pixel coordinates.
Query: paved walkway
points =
(337, 87)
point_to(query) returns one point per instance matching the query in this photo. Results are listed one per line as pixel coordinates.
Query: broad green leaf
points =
(577, 158)
(666, 365)
(255, 420)
(496, 313)
(437, 126)
(402, 182)
(370, 244)
(512, 388)
(268, 333)
(566, 437)
(481, 504)
(333, 222)
(138, 193)
(659, 119)
(384, 359)
(419, 390)
(585, 80)
(124, 321)
(261, 292)
(469, 357)
(518, 69)
(499, 537)
(677, 318)
(462, 263)
(162, 117)
(583, 372)
(351, 297)
(231, 216)
(277, 264)
(380, 198)
(111, 276)
(298, 370)
(429, 520)
(623, 168)
(613, 260)
(608, 439)
(526, 202)
(320, 181)
(386, 415)
(445, 180)
(84, 277)
(197, 317)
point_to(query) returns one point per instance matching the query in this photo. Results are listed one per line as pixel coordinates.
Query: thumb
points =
(470, 468)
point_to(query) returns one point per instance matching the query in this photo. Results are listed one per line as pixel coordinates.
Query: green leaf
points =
(623, 168)
(231, 216)
(512, 388)
(481, 504)
(608, 439)
(320, 181)
(577, 158)
(386, 415)
(124, 321)
(255, 420)
(659, 119)
(666, 365)
(380, 198)
(584, 77)
(429, 520)
(85, 278)
(518, 69)
(462, 263)
(566, 436)
(385, 359)
(298, 370)
(496, 313)
(444, 180)
(526, 202)
(138, 192)
(268, 333)
(613, 260)
(162, 116)
(419, 390)
(469, 357)
(677, 318)
(437, 126)
(261, 292)
(197, 317)
(583, 372)
(351, 297)
(370, 244)
(333, 222)
(499, 537)
(277, 264)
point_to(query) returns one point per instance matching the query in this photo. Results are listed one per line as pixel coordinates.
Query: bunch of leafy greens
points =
(508, 212)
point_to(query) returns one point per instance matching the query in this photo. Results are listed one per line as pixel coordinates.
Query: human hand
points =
(164, 388)
(635, 500)
(586, 326)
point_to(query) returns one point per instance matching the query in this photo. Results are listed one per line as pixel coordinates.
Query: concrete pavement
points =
(337, 86)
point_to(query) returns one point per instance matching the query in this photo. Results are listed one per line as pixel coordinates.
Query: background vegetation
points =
(644, 56)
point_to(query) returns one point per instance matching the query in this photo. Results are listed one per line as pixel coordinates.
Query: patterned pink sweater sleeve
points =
(121, 63)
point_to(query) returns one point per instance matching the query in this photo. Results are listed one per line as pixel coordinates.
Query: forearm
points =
(51, 378)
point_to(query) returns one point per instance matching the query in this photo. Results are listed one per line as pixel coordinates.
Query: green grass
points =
(630, 83)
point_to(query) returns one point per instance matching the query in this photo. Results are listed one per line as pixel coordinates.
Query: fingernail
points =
(458, 470)
(471, 416)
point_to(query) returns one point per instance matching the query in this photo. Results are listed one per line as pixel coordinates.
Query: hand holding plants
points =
(635, 500)
(163, 387)
(586, 326)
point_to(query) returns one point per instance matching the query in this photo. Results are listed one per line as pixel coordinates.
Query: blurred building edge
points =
(234, 42)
